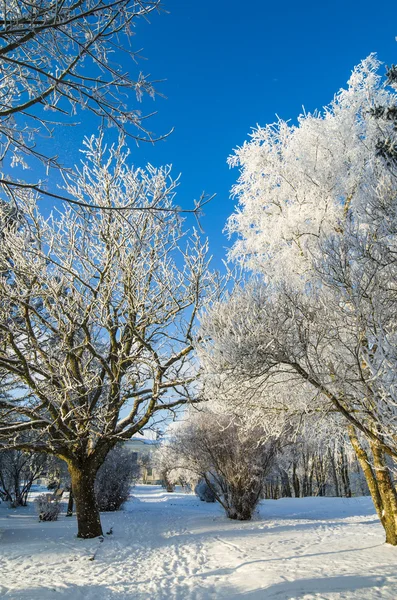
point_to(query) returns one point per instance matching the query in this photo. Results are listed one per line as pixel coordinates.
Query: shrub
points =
(233, 457)
(204, 492)
(114, 479)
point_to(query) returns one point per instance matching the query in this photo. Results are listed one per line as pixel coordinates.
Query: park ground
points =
(174, 547)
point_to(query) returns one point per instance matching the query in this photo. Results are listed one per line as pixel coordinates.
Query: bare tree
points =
(18, 471)
(96, 319)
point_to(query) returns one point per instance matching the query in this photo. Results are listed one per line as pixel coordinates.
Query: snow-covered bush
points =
(115, 478)
(204, 492)
(47, 509)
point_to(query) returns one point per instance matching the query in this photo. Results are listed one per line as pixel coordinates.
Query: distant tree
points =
(57, 473)
(111, 344)
(318, 460)
(163, 461)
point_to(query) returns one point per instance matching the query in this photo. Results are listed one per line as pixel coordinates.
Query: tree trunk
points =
(387, 493)
(88, 518)
(285, 484)
(367, 470)
(169, 487)
(69, 512)
(334, 474)
(295, 481)
(344, 472)
(380, 486)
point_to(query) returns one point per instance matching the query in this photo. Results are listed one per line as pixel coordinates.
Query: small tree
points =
(114, 479)
(164, 462)
(96, 318)
(18, 471)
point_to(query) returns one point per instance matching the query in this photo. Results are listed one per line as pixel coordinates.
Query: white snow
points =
(174, 547)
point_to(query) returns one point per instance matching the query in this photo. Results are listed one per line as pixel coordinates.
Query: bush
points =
(204, 492)
(48, 510)
(232, 456)
(114, 479)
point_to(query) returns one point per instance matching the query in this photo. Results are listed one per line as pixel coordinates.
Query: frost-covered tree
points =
(96, 318)
(274, 340)
(317, 220)
(299, 183)
(163, 460)
(60, 59)
(318, 460)
(172, 469)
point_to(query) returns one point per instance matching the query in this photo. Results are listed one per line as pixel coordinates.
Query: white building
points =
(142, 448)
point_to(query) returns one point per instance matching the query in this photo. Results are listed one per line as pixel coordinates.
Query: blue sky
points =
(230, 65)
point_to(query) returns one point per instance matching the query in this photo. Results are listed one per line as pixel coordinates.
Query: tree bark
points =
(334, 473)
(380, 485)
(344, 472)
(295, 481)
(69, 511)
(87, 512)
(367, 470)
(387, 493)
(285, 484)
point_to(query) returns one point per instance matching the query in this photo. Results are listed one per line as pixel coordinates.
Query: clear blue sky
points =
(230, 65)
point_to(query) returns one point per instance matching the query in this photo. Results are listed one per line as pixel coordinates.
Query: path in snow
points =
(174, 547)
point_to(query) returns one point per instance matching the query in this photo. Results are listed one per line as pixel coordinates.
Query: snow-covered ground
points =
(174, 547)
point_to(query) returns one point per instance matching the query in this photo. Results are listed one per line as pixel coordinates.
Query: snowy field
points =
(174, 547)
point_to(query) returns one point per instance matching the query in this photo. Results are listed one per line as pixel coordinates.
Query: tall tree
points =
(317, 221)
(97, 317)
